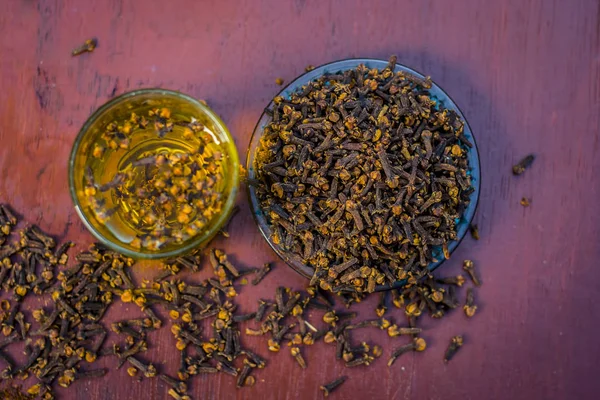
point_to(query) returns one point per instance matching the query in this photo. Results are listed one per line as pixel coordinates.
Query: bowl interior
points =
(183, 108)
(339, 66)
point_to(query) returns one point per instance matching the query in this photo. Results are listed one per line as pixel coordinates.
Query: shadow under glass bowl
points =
(120, 109)
(436, 93)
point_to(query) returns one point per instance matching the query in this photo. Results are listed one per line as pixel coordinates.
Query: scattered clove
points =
(455, 344)
(331, 386)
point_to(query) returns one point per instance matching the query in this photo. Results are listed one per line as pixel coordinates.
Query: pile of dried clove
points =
(363, 176)
(70, 333)
(204, 319)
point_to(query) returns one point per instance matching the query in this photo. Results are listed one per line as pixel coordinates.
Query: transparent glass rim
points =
(195, 242)
(338, 66)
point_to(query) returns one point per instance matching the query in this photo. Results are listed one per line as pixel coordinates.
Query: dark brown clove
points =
(417, 344)
(470, 308)
(331, 386)
(455, 344)
(524, 164)
(262, 272)
(469, 267)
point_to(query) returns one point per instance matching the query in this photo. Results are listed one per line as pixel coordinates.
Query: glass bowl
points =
(332, 68)
(115, 229)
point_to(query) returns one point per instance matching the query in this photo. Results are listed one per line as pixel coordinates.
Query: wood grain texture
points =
(526, 73)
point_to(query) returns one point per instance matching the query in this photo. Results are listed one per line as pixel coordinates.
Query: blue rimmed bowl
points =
(436, 93)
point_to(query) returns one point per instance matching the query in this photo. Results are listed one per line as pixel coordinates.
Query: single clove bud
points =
(295, 351)
(470, 307)
(394, 331)
(331, 386)
(382, 305)
(522, 165)
(458, 280)
(88, 46)
(455, 343)
(470, 268)
(418, 344)
(260, 275)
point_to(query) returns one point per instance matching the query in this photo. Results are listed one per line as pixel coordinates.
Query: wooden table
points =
(526, 73)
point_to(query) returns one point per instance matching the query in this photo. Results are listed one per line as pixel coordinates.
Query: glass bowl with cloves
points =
(154, 173)
(363, 175)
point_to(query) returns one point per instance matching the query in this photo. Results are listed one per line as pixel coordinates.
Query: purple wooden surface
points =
(526, 73)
